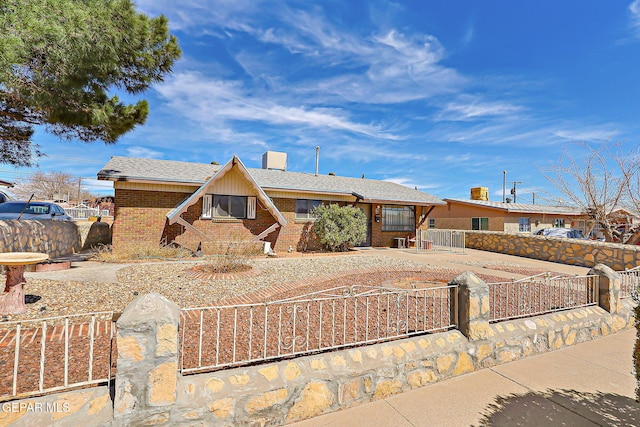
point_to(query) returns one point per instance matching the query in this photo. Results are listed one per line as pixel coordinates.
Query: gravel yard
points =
(48, 298)
(172, 279)
(276, 279)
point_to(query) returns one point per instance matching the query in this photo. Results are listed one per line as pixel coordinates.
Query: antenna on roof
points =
(317, 158)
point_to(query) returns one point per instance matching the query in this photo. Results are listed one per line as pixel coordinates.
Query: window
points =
(479, 223)
(524, 224)
(558, 223)
(218, 206)
(304, 208)
(398, 218)
(432, 223)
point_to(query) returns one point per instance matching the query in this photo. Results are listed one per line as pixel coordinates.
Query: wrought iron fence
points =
(440, 240)
(56, 353)
(540, 294)
(223, 336)
(630, 285)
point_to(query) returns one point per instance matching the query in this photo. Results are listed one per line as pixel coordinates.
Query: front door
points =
(366, 208)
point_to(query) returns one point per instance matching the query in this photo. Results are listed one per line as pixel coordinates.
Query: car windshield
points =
(17, 207)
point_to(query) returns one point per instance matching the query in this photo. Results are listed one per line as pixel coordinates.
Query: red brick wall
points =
(141, 215)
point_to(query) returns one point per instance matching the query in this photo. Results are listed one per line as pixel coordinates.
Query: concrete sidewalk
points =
(589, 384)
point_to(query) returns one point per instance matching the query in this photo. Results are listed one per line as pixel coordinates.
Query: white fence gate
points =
(440, 240)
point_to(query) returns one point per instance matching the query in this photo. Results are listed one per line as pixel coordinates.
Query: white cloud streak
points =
(634, 9)
(216, 101)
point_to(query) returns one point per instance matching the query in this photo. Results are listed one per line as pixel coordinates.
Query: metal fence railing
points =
(630, 285)
(56, 353)
(440, 240)
(85, 213)
(223, 336)
(540, 294)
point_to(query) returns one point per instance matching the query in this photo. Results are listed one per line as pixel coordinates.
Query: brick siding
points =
(140, 215)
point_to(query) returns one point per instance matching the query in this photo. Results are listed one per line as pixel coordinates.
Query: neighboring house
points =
(625, 216)
(508, 217)
(189, 203)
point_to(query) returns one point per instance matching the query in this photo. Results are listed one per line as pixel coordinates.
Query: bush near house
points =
(340, 227)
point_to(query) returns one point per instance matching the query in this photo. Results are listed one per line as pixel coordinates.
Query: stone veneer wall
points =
(86, 407)
(55, 238)
(586, 253)
(150, 391)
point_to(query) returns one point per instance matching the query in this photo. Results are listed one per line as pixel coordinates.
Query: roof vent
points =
(274, 160)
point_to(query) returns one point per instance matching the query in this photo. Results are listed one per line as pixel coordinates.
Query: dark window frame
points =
(481, 224)
(229, 208)
(399, 214)
(306, 210)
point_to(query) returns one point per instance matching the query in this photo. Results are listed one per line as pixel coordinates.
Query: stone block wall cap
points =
(150, 308)
(467, 278)
(602, 270)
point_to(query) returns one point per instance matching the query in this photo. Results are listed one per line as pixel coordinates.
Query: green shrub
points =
(340, 227)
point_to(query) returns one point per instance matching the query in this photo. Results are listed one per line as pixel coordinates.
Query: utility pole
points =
(79, 181)
(513, 190)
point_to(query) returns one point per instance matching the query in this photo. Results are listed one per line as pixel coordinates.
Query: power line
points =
(73, 159)
(31, 173)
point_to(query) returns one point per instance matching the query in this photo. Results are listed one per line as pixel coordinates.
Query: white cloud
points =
(391, 67)
(467, 108)
(144, 152)
(412, 183)
(97, 187)
(634, 8)
(586, 134)
(212, 103)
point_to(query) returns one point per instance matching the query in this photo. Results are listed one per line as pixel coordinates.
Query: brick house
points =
(192, 203)
(507, 217)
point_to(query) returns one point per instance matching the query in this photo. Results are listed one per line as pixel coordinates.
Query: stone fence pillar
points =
(609, 287)
(147, 373)
(473, 306)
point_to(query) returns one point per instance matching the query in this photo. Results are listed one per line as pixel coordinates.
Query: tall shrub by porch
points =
(340, 227)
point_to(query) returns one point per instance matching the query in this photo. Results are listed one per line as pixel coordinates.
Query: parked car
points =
(4, 197)
(568, 233)
(33, 210)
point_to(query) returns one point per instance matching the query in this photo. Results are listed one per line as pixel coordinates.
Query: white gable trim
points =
(176, 213)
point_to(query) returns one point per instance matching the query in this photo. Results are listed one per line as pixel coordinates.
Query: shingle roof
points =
(521, 207)
(134, 169)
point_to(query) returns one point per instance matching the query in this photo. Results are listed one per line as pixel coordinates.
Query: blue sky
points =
(439, 95)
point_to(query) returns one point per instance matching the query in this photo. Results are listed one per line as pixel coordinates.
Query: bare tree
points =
(49, 186)
(598, 182)
(630, 166)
